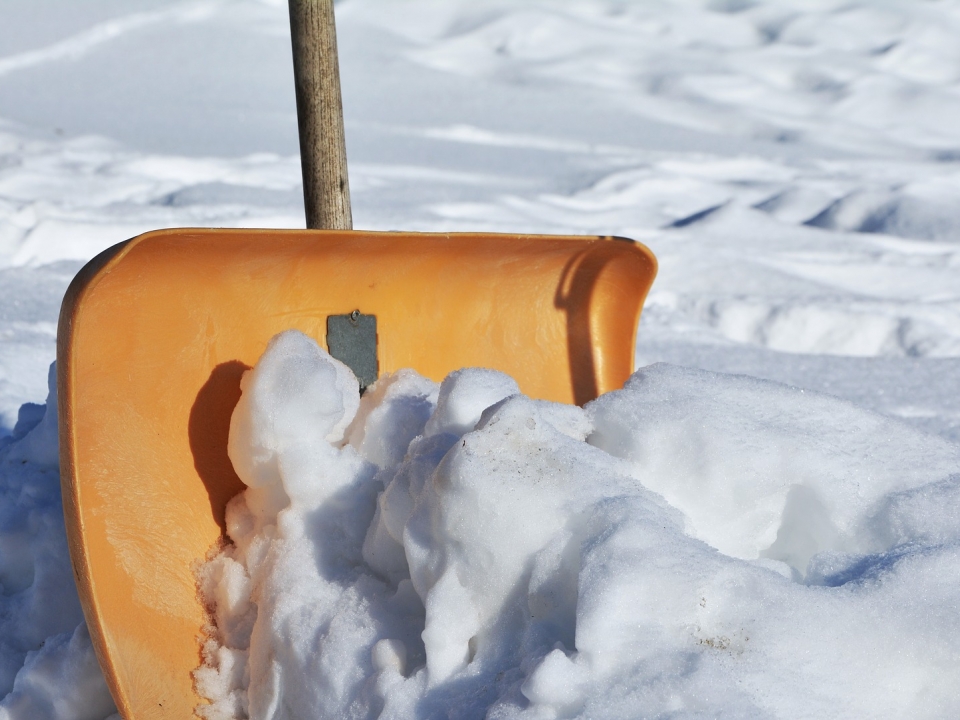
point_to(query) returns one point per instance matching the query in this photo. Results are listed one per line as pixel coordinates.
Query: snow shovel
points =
(156, 332)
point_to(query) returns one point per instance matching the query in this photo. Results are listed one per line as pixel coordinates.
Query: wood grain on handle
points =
(323, 153)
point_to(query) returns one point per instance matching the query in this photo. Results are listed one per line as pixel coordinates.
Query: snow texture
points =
(48, 670)
(695, 544)
(792, 163)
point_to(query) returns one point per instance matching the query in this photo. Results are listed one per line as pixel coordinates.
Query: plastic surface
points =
(154, 337)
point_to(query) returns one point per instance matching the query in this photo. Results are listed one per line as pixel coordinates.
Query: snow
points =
(47, 665)
(697, 543)
(794, 165)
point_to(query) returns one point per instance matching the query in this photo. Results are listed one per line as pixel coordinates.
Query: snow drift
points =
(692, 544)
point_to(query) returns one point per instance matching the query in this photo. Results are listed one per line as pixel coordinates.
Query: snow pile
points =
(693, 544)
(48, 670)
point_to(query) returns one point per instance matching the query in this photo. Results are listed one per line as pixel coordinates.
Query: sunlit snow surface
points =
(694, 545)
(793, 164)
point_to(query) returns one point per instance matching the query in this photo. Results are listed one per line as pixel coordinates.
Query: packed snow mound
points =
(765, 470)
(48, 670)
(694, 544)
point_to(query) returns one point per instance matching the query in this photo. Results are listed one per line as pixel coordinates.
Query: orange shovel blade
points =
(156, 332)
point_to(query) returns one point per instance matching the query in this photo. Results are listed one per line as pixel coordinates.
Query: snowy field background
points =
(793, 164)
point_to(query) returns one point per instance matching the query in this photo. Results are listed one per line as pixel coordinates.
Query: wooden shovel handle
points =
(323, 152)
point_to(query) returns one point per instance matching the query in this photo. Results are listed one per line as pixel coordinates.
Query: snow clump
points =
(695, 544)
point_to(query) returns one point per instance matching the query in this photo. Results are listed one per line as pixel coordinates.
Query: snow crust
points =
(695, 544)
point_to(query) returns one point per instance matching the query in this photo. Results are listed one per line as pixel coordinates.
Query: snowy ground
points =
(793, 164)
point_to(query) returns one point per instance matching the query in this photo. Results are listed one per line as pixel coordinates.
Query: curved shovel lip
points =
(82, 282)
